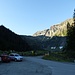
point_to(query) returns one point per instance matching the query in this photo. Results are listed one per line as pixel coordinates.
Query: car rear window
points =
(16, 55)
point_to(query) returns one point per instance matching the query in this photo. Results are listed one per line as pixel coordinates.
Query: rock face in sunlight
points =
(55, 30)
(50, 39)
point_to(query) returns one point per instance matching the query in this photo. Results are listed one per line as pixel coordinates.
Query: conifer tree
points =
(71, 39)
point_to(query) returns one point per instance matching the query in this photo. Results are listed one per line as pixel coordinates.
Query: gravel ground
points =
(26, 67)
(57, 68)
(37, 66)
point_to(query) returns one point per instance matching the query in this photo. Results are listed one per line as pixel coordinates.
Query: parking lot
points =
(25, 67)
(37, 66)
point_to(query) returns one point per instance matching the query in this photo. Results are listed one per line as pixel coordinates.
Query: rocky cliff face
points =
(53, 39)
(55, 30)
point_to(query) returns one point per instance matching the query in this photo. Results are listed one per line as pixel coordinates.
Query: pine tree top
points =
(74, 14)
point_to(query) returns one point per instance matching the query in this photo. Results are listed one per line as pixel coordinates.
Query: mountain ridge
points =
(46, 39)
(11, 41)
(55, 30)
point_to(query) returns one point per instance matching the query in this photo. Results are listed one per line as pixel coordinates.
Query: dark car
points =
(5, 58)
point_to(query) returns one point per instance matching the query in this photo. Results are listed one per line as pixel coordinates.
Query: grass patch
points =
(27, 53)
(58, 57)
(33, 53)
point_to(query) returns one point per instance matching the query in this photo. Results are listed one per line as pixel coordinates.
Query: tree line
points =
(11, 41)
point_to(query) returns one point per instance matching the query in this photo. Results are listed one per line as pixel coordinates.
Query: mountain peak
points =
(55, 30)
(11, 41)
(2, 26)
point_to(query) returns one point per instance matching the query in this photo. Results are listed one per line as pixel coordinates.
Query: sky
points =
(25, 17)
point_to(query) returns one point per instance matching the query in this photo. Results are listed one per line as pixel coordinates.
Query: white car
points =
(15, 57)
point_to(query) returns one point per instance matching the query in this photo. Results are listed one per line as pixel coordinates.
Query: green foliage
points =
(58, 56)
(33, 53)
(70, 50)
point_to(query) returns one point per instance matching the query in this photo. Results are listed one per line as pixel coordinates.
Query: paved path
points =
(26, 67)
(56, 67)
(37, 66)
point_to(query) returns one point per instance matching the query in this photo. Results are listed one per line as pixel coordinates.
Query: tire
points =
(15, 59)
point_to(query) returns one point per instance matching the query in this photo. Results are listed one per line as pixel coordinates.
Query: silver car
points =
(15, 57)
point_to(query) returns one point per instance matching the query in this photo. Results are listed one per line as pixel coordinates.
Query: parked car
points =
(5, 58)
(15, 57)
(0, 59)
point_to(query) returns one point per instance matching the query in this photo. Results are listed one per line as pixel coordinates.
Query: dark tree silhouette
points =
(71, 39)
(11, 41)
